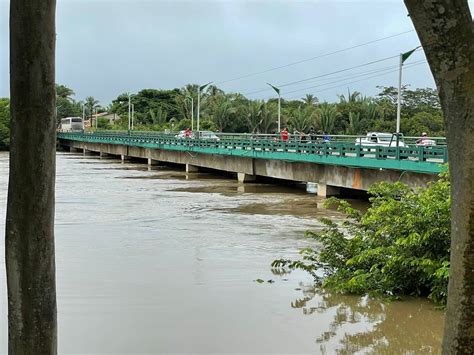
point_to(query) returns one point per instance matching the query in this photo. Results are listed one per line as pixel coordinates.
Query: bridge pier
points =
(152, 162)
(124, 158)
(325, 190)
(86, 152)
(191, 168)
(242, 178)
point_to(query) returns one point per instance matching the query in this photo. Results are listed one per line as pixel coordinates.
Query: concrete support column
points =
(124, 158)
(327, 190)
(243, 178)
(191, 168)
(73, 150)
(152, 162)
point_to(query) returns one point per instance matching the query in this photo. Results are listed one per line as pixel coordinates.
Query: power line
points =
(380, 70)
(326, 74)
(312, 58)
(357, 81)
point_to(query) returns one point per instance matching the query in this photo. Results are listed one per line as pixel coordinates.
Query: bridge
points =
(334, 165)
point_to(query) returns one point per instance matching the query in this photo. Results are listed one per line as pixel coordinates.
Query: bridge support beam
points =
(243, 178)
(191, 168)
(325, 190)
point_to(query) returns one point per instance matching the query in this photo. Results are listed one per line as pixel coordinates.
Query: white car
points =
(380, 139)
(207, 135)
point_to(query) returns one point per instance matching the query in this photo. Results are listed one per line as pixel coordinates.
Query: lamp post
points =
(133, 112)
(130, 124)
(192, 111)
(200, 88)
(277, 90)
(96, 118)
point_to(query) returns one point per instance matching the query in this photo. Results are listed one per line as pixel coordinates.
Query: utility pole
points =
(277, 90)
(200, 88)
(192, 111)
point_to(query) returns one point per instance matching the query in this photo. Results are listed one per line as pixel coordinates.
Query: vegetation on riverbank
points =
(4, 123)
(400, 246)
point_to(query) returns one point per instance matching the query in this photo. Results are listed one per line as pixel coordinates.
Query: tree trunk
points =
(29, 238)
(446, 31)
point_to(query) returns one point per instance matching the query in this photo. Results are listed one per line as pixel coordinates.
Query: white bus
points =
(71, 124)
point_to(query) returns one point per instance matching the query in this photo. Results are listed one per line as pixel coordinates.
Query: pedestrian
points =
(422, 140)
(187, 133)
(284, 135)
(312, 134)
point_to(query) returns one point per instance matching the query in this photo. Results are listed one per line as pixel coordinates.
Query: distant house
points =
(111, 117)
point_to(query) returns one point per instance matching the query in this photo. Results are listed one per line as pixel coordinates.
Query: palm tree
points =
(268, 118)
(301, 118)
(253, 115)
(327, 115)
(355, 126)
(222, 112)
(64, 92)
(355, 96)
(91, 104)
(310, 99)
(158, 117)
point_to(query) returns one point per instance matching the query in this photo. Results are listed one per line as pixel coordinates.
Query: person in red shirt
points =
(187, 133)
(284, 135)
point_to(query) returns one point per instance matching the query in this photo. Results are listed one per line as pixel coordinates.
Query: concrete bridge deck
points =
(331, 165)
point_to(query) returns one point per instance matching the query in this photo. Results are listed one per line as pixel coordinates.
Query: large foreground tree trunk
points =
(29, 239)
(446, 31)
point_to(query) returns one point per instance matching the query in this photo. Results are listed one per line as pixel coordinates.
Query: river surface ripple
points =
(163, 262)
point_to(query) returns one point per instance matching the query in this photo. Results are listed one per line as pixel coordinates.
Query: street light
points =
(277, 90)
(200, 88)
(192, 111)
(130, 125)
(133, 112)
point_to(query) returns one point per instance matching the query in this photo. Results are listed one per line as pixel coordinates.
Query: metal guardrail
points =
(337, 151)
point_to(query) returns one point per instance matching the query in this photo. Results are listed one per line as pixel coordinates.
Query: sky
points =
(107, 47)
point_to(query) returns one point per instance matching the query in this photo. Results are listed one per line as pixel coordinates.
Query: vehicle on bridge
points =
(381, 139)
(69, 124)
(198, 135)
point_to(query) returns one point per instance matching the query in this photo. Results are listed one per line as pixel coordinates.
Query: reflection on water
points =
(411, 326)
(159, 261)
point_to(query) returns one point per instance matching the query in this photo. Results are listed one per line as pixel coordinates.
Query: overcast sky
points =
(106, 47)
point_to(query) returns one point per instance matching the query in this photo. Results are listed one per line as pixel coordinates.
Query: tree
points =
(91, 104)
(253, 115)
(446, 31)
(4, 123)
(29, 237)
(310, 100)
(222, 111)
(64, 92)
(327, 115)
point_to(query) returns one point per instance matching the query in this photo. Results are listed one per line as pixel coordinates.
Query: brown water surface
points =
(163, 262)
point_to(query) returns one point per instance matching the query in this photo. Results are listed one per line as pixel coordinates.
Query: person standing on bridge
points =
(187, 133)
(284, 135)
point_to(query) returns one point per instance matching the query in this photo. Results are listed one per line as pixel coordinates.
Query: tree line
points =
(159, 110)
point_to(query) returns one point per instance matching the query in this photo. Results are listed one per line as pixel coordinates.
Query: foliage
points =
(4, 123)
(327, 115)
(232, 112)
(400, 246)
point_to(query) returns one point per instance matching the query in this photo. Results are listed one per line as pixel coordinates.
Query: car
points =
(207, 135)
(380, 139)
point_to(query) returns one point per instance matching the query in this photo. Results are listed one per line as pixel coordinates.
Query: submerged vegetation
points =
(400, 246)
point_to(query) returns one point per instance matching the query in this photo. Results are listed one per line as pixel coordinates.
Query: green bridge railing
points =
(338, 151)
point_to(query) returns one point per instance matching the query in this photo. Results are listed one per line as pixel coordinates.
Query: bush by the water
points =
(400, 246)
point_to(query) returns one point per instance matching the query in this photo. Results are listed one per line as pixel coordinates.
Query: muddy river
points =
(160, 261)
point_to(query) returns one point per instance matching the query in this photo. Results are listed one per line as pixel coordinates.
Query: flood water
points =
(163, 262)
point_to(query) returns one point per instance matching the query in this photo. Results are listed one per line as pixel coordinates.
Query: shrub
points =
(400, 246)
